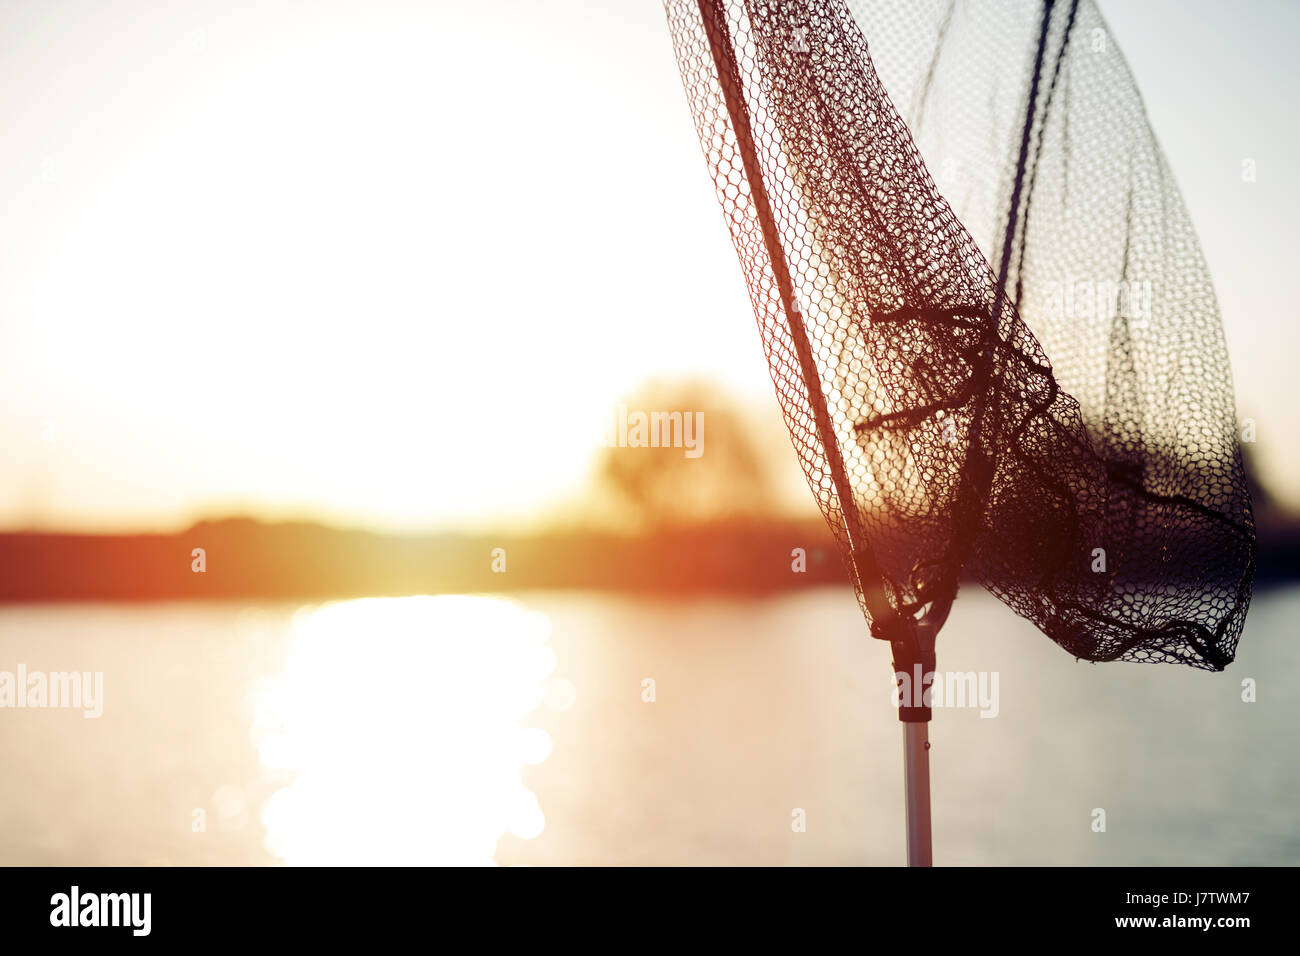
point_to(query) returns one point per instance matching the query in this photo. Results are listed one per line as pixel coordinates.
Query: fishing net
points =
(1029, 387)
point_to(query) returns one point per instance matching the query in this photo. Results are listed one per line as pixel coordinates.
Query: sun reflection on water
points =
(398, 725)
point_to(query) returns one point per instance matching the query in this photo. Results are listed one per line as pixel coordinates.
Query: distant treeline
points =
(246, 559)
(249, 559)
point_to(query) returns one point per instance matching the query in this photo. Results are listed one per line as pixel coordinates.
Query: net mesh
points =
(1100, 494)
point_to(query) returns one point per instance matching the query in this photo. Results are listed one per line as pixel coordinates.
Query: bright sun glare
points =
(312, 266)
(401, 725)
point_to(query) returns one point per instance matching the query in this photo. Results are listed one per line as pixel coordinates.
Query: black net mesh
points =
(1099, 494)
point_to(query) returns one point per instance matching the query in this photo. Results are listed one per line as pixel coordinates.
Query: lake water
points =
(521, 731)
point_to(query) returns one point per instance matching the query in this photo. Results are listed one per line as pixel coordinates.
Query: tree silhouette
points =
(663, 486)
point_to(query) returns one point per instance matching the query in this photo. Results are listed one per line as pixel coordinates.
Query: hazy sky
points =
(394, 263)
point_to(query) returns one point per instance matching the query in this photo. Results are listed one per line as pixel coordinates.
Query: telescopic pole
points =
(913, 663)
(912, 643)
(916, 772)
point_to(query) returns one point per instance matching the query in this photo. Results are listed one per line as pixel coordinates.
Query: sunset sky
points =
(394, 264)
